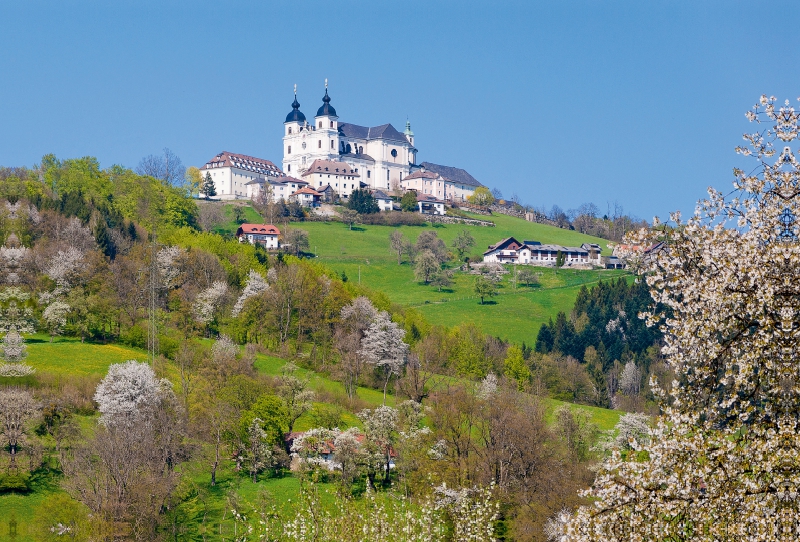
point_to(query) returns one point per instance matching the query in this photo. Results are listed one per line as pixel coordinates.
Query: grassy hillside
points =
(363, 254)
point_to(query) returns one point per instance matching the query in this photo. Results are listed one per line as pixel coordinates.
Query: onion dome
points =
(295, 115)
(327, 109)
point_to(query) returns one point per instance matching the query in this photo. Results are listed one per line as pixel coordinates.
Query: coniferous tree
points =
(103, 239)
(208, 189)
(363, 202)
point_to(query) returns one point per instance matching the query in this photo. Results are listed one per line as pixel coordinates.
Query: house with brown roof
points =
(307, 197)
(342, 177)
(429, 205)
(232, 173)
(447, 183)
(262, 234)
(504, 251)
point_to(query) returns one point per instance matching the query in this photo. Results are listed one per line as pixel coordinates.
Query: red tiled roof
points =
(306, 190)
(260, 229)
(242, 161)
(331, 167)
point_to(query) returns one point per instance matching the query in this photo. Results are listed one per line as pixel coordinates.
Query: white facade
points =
(232, 173)
(380, 156)
(342, 177)
(430, 206)
(384, 202)
(444, 182)
(282, 188)
(262, 234)
(531, 253)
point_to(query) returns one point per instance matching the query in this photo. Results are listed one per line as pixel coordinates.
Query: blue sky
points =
(561, 103)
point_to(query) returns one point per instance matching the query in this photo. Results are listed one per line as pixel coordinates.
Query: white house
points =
(307, 197)
(263, 234)
(594, 251)
(534, 253)
(232, 172)
(282, 187)
(384, 202)
(379, 155)
(430, 205)
(506, 251)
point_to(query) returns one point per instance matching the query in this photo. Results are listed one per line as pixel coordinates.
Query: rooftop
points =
(384, 131)
(261, 229)
(331, 167)
(454, 174)
(242, 161)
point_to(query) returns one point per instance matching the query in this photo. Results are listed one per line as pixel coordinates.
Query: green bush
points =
(18, 483)
(135, 336)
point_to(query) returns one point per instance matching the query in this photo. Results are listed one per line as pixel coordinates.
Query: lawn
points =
(67, 355)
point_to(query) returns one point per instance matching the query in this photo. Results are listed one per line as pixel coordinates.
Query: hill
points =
(363, 255)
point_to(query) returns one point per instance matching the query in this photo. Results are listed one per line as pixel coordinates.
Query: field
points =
(363, 255)
(516, 314)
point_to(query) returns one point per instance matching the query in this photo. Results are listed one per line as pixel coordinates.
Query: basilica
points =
(325, 160)
(376, 157)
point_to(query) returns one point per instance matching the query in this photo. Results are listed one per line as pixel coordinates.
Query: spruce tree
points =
(208, 189)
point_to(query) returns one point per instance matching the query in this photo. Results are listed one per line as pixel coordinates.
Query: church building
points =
(380, 156)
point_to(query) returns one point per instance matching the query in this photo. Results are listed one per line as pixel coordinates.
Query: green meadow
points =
(363, 254)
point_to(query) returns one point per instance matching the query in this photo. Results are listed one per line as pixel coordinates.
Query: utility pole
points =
(152, 327)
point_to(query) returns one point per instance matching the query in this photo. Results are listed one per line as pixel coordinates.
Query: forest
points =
(448, 427)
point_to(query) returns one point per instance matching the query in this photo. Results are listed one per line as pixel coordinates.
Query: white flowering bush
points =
(55, 316)
(129, 389)
(723, 461)
(169, 261)
(256, 284)
(207, 301)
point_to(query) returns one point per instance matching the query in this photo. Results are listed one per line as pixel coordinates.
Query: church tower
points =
(293, 129)
(326, 124)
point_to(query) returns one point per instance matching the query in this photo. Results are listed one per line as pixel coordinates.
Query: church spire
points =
(295, 115)
(327, 109)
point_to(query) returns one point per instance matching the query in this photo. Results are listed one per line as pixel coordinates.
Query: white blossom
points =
(720, 462)
(255, 285)
(169, 261)
(128, 389)
(488, 386)
(206, 302)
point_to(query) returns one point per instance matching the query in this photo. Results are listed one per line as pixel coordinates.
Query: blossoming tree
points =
(723, 460)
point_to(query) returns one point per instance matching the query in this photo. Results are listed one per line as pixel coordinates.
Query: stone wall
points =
(457, 220)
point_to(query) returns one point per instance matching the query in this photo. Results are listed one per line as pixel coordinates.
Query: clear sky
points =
(563, 102)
